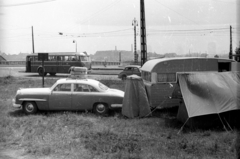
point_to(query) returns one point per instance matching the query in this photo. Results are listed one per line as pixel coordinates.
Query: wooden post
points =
(43, 72)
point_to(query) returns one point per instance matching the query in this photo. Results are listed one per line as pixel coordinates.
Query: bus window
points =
(50, 58)
(35, 58)
(65, 58)
(29, 58)
(59, 58)
(54, 58)
(72, 58)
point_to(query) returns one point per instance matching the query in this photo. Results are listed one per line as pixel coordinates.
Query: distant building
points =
(2, 58)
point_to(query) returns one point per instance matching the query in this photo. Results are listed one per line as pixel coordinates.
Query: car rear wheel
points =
(101, 109)
(30, 107)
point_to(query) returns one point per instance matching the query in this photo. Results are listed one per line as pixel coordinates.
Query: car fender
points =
(42, 103)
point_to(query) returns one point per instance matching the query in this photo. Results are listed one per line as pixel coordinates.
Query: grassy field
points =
(84, 135)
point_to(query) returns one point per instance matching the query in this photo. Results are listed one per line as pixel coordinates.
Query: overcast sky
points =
(179, 26)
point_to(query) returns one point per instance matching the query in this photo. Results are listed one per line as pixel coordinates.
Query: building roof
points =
(2, 58)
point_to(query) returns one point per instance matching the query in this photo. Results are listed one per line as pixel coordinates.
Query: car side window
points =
(81, 88)
(63, 88)
(127, 68)
(136, 70)
(92, 89)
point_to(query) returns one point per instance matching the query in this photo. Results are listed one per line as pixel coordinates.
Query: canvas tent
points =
(135, 102)
(208, 93)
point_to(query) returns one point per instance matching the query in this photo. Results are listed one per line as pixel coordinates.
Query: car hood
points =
(115, 92)
(34, 91)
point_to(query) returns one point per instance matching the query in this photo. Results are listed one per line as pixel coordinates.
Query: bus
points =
(59, 62)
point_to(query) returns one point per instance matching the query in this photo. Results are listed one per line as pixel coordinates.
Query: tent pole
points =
(222, 123)
(228, 124)
(182, 127)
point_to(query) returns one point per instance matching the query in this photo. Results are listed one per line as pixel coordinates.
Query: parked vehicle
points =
(69, 94)
(58, 62)
(160, 75)
(130, 70)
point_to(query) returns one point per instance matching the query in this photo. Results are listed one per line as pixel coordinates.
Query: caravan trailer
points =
(160, 75)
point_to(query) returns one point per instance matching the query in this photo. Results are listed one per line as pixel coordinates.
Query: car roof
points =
(82, 81)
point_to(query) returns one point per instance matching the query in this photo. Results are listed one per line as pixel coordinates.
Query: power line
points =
(177, 12)
(85, 34)
(191, 30)
(224, 1)
(27, 3)
(100, 11)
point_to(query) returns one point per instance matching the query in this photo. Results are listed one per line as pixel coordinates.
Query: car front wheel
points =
(101, 109)
(30, 107)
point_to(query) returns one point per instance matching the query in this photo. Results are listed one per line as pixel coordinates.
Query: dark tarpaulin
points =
(208, 93)
(135, 102)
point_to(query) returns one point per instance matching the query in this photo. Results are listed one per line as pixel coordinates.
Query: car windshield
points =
(102, 87)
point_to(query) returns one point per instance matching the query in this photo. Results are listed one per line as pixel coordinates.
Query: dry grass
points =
(85, 135)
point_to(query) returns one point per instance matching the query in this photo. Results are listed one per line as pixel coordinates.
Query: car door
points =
(84, 96)
(60, 97)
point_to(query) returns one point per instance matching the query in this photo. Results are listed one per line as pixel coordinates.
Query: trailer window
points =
(146, 76)
(166, 77)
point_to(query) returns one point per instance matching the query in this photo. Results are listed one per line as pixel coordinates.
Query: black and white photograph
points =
(119, 79)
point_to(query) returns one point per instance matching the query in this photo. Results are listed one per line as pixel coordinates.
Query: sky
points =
(173, 26)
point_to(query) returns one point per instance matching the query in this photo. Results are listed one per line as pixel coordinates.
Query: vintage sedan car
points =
(130, 70)
(69, 94)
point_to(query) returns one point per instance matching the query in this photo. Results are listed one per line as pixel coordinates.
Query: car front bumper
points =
(19, 106)
(116, 105)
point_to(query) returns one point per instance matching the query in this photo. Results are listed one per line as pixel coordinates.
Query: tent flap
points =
(210, 92)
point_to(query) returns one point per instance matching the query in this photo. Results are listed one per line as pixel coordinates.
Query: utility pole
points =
(74, 41)
(135, 23)
(230, 52)
(32, 40)
(143, 33)
(119, 58)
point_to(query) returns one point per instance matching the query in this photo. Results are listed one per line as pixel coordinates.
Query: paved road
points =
(20, 72)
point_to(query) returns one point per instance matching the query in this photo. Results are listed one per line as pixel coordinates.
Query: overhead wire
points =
(125, 32)
(107, 32)
(27, 3)
(177, 13)
(104, 9)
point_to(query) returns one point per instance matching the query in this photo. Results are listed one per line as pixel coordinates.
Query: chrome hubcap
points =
(100, 108)
(29, 107)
